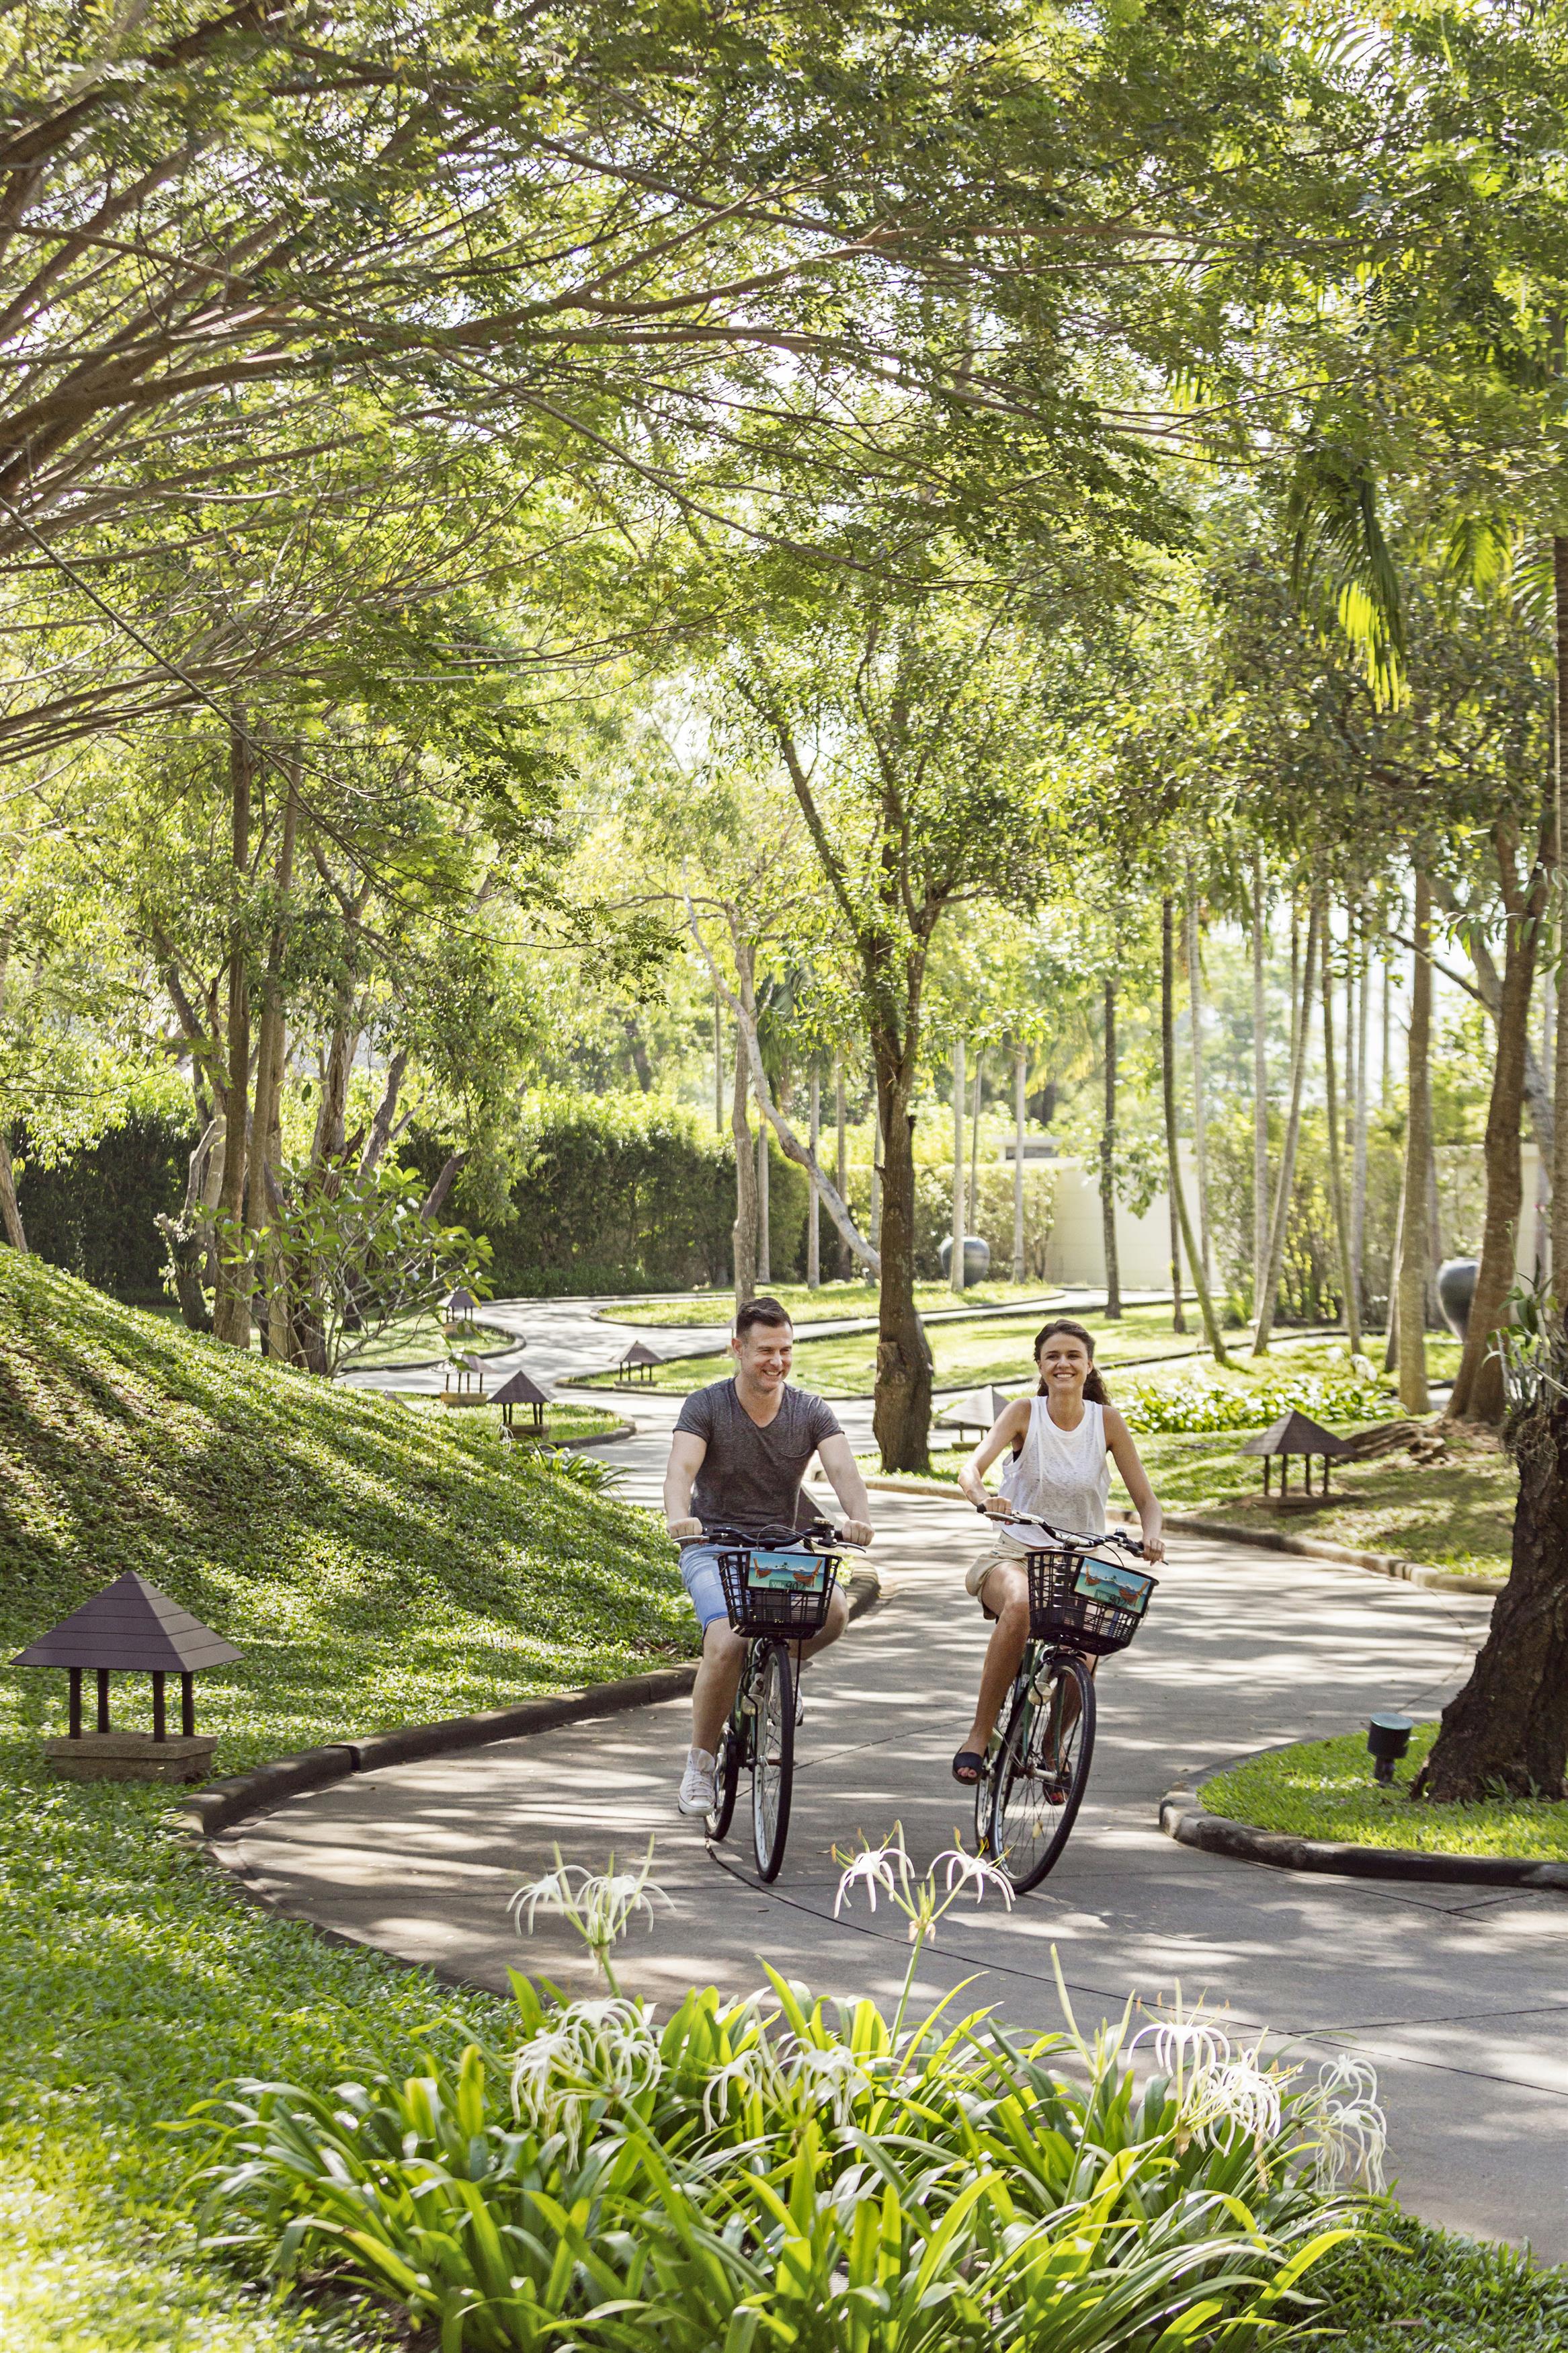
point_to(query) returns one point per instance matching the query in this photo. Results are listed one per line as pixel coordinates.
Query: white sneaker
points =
(697, 1794)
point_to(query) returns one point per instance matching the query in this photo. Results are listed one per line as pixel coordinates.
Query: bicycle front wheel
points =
(1042, 1771)
(726, 1782)
(773, 1770)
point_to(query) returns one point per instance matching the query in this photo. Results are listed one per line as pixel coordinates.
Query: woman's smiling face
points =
(1063, 1364)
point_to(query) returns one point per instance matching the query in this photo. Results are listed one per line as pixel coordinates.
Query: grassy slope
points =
(1324, 1789)
(375, 1566)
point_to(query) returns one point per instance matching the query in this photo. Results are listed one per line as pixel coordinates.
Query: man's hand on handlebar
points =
(857, 1532)
(683, 1531)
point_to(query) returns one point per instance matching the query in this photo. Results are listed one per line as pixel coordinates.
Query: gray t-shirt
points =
(751, 1475)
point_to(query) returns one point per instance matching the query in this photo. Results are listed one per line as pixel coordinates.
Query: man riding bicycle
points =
(739, 1453)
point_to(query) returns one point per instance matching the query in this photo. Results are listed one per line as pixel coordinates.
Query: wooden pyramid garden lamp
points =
(131, 1629)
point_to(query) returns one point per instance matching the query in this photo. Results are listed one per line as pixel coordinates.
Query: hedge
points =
(93, 1213)
(626, 1193)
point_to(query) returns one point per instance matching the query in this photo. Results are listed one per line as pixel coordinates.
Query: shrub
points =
(625, 1193)
(1194, 1405)
(93, 1211)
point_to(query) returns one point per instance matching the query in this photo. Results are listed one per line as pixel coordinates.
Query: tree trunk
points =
(1336, 1170)
(1020, 1088)
(955, 1259)
(1479, 1384)
(813, 1210)
(901, 1416)
(841, 1165)
(1508, 1729)
(235, 1273)
(10, 1207)
(1391, 1353)
(743, 1233)
(764, 1208)
(1260, 1088)
(1200, 1125)
(1108, 1164)
(1359, 1133)
(1172, 1153)
(1301, 1025)
(718, 1069)
(974, 1208)
(266, 1133)
(1413, 1239)
(1559, 795)
(1387, 1033)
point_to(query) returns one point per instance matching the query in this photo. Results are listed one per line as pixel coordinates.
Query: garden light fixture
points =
(131, 1629)
(1387, 1738)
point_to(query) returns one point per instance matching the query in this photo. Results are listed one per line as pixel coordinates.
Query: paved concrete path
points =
(564, 1339)
(1459, 1996)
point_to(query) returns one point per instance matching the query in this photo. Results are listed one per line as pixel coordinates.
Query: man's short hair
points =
(772, 1313)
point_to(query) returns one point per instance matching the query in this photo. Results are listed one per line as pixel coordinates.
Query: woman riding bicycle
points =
(1060, 1439)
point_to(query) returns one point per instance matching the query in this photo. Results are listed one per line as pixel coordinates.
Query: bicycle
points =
(778, 1596)
(1037, 1768)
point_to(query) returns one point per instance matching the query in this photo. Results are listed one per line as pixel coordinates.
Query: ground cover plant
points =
(1324, 1789)
(780, 2170)
(375, 1566)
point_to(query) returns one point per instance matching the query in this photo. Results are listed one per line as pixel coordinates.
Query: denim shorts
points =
(699, 1575)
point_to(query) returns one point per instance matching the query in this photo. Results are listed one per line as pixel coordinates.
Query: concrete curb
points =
(1379, 1563)
(1183, 1818)
(221, 1804)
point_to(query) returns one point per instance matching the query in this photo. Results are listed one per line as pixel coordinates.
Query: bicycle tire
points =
(726, 1783)
(772, 1764)
(1026, 1831)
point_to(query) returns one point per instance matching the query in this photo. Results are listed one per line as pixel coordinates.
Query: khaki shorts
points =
(1000, 1549)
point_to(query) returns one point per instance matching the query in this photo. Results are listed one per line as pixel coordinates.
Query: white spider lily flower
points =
(833, 2079)
(1350, 2126)
(882, 1867)
(1240, 2094)
(1186, 2047)
(598, 1905)
(750, 2072)
(594, 2051)
(971, 1871)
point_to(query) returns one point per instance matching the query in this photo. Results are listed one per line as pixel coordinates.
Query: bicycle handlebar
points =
(1067, 1538)
(819, 1536)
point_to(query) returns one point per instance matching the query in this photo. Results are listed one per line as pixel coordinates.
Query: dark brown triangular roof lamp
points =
(520, 1390)
(637, 1364)
(130, 1628)
(1297, 1433)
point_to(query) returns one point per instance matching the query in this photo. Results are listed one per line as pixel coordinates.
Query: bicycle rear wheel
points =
(726, 1782)
(773, 1769)
(1042, 1771)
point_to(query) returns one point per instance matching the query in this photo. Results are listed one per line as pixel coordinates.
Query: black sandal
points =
(967, 1767)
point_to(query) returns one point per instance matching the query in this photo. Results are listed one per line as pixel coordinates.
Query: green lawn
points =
(420, 1340)
(828, 1303)
(376, 1566)
(994, 1350)
(1324, 1789)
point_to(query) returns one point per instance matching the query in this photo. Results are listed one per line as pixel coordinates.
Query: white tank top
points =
(1063, 1475)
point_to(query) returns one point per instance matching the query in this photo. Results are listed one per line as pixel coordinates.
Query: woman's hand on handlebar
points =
(1154, 1549)
(857, 1532)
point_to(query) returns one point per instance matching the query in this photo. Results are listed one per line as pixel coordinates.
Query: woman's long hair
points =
(1094, 1388)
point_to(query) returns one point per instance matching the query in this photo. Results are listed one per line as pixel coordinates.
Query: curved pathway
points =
(1459, 1996)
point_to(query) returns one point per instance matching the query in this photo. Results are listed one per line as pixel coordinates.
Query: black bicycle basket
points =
(792, 1612)
(1079, 1621)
